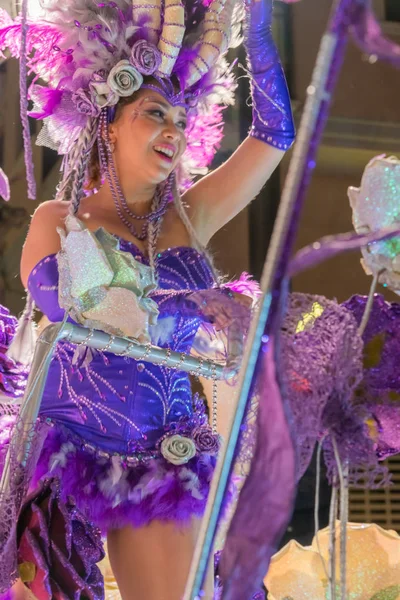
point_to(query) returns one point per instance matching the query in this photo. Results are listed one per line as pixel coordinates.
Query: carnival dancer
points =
(133, 100)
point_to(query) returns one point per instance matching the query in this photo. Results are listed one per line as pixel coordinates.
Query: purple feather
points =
(47, 98)
(4, 185)
(245, 285)
(112, 494)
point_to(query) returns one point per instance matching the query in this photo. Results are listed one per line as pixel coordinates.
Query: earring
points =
(110, 147)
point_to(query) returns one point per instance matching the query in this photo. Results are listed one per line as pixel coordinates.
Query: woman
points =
(114, 421)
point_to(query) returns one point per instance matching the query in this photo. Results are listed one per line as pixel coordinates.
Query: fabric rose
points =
(205, 440)
(102, 94)
(145, 57)
(124, 79)
(177, 449)
(84, 104)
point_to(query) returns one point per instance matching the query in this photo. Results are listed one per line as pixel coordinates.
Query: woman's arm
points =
(220, 196)
(42, 239)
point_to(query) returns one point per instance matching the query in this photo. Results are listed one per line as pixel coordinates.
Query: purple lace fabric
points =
(380, 387)
(55, 537)
(12, 376)
(322, 359)
(12, 384)
(314, 335)
(11, 499)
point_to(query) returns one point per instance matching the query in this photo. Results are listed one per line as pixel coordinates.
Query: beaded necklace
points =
(161, 197)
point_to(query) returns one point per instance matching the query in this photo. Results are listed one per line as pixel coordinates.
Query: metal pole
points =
(43, 354)
(329, 60)
(145, 352)
(99, 340)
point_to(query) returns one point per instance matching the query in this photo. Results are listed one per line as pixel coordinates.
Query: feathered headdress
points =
(87, 54)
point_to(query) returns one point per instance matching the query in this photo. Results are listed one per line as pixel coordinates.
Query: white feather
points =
(162, 331)
(59, 459)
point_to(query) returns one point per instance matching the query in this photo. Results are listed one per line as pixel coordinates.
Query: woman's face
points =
(149, 138)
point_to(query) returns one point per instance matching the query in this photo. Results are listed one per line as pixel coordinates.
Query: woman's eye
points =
(182, 125)
(157, 113)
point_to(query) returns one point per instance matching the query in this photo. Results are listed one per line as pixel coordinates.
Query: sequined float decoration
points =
(376, 205)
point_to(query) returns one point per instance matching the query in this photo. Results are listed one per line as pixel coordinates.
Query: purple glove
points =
(272, 113)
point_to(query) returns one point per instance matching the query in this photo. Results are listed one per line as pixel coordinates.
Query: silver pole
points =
(99, 340)
(317, 94)
(43, 354)
(145, 352)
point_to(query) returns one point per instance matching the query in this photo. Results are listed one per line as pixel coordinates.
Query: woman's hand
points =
(218, 197)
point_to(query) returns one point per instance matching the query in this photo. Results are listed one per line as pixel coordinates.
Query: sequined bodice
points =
(116, 403)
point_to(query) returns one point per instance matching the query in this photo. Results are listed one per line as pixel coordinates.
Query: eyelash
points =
(159, 113)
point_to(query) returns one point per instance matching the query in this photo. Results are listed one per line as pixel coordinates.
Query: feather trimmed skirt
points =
(115, 491)
(169, 483)
(78, 492)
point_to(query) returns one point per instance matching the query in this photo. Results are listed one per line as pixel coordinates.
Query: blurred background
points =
(364, 122)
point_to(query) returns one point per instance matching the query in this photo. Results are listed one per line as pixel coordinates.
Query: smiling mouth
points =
(166, 154)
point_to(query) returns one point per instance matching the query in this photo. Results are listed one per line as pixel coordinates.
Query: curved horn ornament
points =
(214, 40)
(172, 35)
(148, 12)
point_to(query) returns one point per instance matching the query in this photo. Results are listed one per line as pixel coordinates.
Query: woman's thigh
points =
(153, 562)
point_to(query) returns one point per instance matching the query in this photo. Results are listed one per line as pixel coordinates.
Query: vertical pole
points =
(328, 64)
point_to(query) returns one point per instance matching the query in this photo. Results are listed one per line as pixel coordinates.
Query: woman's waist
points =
(114, 396)
(127, 428)
(103, 376)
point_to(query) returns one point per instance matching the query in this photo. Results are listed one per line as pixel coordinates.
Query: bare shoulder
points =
(55, 210)
(43, 238)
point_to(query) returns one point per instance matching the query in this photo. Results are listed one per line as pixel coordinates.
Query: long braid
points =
(23, 100)
(192, 232)
(64, 187)
(70, 188)
(85, 145)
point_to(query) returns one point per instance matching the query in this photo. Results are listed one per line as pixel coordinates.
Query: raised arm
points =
(218, 197)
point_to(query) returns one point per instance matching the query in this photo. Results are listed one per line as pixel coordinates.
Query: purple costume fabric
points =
(380, 387)
(12, 376)
(104, 419)
(56, 538)
(322, 368)
(110, 414)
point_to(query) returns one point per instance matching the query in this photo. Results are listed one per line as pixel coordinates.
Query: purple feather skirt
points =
(112, 494)
(78, 492)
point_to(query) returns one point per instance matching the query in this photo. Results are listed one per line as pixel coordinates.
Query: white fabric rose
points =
(177, 449)
(102, 94)
(124, 79)
(375, 206)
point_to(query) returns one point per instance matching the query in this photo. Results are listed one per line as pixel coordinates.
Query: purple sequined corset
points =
(118, 404)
